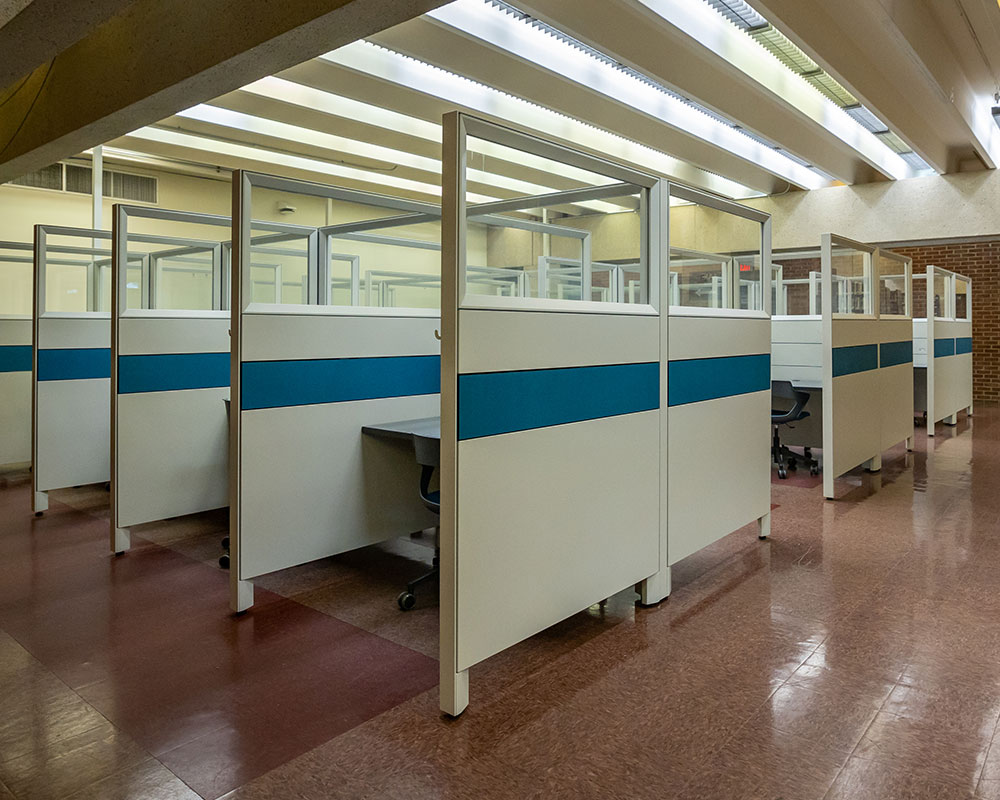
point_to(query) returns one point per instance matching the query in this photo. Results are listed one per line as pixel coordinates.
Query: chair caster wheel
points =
(406, 601)
(225, 543)
(814, 470)
(224, 561)
(782, 473)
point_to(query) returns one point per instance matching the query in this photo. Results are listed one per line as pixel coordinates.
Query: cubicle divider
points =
(851, 354)
(719, 372)
(304, 481)
(942, 349)
(552, 436)
(71, 363)
(15, 353)
(895, 359)
(170, 371)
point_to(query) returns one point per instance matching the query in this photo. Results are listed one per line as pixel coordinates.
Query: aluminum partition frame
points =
(40, 499)
(719, 334)
(454, 685)
(827, 242)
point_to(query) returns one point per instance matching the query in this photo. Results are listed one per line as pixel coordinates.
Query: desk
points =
(407, 429)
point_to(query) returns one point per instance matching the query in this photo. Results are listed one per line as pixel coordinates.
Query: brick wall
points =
(980, 261)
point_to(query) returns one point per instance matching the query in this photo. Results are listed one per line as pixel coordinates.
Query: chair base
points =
(786, 459)
(407, 599)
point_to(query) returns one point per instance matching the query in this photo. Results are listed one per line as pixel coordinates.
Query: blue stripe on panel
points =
(855, 358)
(172, 372)
(491, 403)
(15, 358)
(697, 379)
(893, 353)
(276, 384)
(963, 344)
(74, 364)
(944, 347)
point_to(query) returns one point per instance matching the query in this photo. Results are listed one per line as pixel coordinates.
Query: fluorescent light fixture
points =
(339, 106)
(237, 120)
(501, 29)
(419, 76)
(246, 152)
(712, 30)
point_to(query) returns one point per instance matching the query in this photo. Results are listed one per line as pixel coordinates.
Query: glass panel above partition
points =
(851, 275)
(963, 303)
(941, 292)
(796, 286)
(715, 258)
(560, 232)
(895, 285)
(16, 280)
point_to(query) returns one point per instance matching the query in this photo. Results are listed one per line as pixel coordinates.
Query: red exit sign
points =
(746, 267)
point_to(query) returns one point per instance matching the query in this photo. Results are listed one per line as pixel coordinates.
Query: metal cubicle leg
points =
(40, 503)
(655, 588)
(951, 420)
(874, 464)
(909, 444)
(454, 691)
(122, 541)
(969, 410)
(764, 526)
(241, 595)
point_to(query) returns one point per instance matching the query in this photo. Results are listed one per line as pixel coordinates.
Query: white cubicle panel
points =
(15, 353)
(942, 349)
(719, 385)
(71, 369)
(551, 424)
(895, 396)
(305, 482)
(170, 372)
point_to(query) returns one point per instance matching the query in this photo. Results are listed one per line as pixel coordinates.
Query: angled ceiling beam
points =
(154, 58)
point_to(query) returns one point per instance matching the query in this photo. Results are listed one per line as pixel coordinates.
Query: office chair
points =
(781, 455)
(428, 452)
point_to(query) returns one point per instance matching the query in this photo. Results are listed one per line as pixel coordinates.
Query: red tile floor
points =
(854, 655)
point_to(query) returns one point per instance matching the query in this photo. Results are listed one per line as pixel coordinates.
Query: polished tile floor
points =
(854, 655)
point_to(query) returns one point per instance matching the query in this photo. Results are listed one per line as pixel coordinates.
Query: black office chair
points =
(781, 455)
(428, 452)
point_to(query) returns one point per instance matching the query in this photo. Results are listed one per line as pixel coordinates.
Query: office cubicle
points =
(719, 370)
(15, 353)
(169, 368)
(942, 348)
(552, 436)
(842, 339)
(354, 344)
(71, 361)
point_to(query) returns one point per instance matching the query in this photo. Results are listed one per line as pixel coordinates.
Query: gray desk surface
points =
(429, 427)
(806, 386)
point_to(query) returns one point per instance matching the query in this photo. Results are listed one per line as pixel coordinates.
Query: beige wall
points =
(937, 207)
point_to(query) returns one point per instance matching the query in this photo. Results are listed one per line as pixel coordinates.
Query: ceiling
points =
(739, 98)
